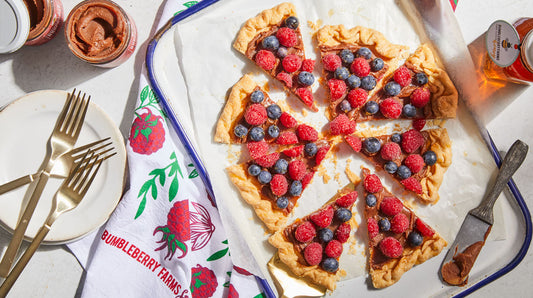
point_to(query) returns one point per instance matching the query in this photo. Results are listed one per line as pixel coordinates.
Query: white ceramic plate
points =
(26, 125)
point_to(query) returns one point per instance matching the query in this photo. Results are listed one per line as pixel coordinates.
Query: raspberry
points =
(343, 232)
(342, 125)
(372, 183)
(420, 97)
(423, 228)
(265, 59)
(297, 169)
(287, 138)
(321, 154)
(307, 179)
(347, 200)
(414, 162)
(357, 97)
(279, 185)
(287, 120)
(337, 88)
(255, 114)
(257, 149)
(294, 152)
(412, 140)
(412, 184)
(305, 232)
(391, 206)
(323, 217)
(390, 151)
(360, 67)
(354, 142)
(313, 253)
(372, 227)
(305, 95)
(308, 65)
(291, 63)
(399, 223)
(285, 78)
(402, 76)
(333, 249)
(419, 124)
(306, 133)
(287, 37)
(390, 108)
(331, 62)
(267, 160)
(391, 247)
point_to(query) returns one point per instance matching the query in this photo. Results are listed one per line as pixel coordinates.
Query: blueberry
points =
(257, 96)
(391, 167)
(342, 73)
(270, 43)
(273, 111)
(257, 134)
(345, 106)
(368, 83)
(310, 149)
(292, 22)
(325, 235)
(240, 130)
(371, 200)
(430, 158)
(306, 78)
(377, 64)
(392, 88)
(396, 138)
(353, 81)
(282, 52)
(421, 79)
(346, 56)
(372, 145)
(364, 52)
(296, 188)
(409, 110)
(330, 265)
(281, 166)
(403, 172)
(343, 214)
(282, 202)
(384, 224)
(273, 131)
(371, 107)
(254, 170)
(415, 239)
(264, 177)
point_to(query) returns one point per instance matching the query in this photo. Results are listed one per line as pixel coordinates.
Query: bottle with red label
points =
(510, 51)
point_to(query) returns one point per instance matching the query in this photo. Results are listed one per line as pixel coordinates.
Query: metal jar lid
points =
(14, 25)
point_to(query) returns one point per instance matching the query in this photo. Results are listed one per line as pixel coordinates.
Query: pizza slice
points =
(251, 117)
(355, 61)
(273, 41)
(417, 89)
(416, 159)
(311, 246)
(273, 183)
(397, 238)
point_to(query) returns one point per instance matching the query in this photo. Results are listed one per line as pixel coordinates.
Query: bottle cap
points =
(14, 24)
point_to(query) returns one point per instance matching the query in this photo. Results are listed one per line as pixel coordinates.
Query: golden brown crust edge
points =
(442, 146)
(262, 22)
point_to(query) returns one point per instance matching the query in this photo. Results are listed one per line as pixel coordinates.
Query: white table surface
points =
(55, 272)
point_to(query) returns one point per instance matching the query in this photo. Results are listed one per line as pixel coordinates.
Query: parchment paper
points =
(211, 66)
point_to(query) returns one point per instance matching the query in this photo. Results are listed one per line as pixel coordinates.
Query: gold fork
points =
(63, 164)
(69, 195)
(63, 138)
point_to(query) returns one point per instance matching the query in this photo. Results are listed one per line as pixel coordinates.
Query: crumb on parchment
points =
(315, 26)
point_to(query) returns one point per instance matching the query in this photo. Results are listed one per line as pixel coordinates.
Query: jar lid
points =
(14, 24)
(527, 50)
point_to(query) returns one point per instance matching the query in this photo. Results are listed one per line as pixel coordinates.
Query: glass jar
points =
(46, 17)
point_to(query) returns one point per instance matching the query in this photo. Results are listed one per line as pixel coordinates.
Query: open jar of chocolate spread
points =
(101, 33)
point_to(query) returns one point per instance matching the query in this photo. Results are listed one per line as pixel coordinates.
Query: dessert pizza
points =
(397, 238)
(416, 159)
(272, 183)
(355, 61)
(273, 40)
(311, 246)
